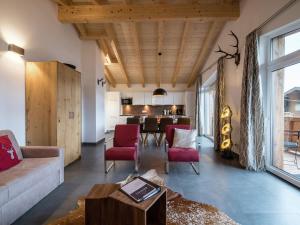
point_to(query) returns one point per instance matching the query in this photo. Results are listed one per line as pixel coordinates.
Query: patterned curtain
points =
(198, 105)
(251, 122)
(219, 103)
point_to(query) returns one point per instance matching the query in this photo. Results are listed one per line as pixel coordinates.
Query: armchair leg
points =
(167, 167)
(197, 170)
(136, 165)
(107, 169)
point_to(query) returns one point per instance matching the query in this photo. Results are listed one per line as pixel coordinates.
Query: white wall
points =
(100, 98)
(253, 13)
(33, 25)
(92, 94)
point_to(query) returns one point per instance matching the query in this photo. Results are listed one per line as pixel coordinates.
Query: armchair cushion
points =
(183, 155)
(41, 151)
(126, 135)
(121, 153)
(8, 155)
(184, 138)
(170, 129)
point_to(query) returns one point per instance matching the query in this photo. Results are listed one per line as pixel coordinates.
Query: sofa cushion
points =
(27, 173)
(183, 155)
(14, 142)
(121, 153)
(8, 155)
(3, 195)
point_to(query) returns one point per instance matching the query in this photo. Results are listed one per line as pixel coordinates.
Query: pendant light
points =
(159, 91)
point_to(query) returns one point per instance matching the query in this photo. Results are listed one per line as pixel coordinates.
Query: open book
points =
(140, 189)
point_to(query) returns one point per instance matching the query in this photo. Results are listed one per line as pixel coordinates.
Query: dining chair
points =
(151, 127)
(162, 127)
(136, 120)
(184, 120)
(125, 146)
(175, 154)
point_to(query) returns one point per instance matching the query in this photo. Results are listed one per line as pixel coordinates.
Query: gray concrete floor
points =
(247, 197)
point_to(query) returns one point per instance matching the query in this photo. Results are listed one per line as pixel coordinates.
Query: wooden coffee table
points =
(106, 205)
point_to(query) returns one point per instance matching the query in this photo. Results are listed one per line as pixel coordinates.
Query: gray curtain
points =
(198, 105)
(251, 122)
(219, 103)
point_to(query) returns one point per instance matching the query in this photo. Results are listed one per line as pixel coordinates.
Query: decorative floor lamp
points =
(227, 143)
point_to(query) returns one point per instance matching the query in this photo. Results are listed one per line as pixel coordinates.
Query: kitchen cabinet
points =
(179, 98)
(138, 98)
(157, 100)
(169, 99)
(148, 98)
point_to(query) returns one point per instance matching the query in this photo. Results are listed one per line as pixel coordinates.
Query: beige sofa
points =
(22, 186)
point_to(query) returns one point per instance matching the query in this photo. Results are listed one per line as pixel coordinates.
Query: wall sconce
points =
(16, 49)
(102, 81)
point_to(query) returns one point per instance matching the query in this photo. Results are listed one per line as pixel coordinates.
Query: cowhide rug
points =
(180, 211)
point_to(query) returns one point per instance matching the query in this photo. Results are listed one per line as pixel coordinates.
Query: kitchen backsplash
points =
(153, 110)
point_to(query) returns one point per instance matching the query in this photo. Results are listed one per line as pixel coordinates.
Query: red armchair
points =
(125, 146)
(189, 155)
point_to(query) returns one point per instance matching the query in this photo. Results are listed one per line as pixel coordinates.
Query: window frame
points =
(267, 67)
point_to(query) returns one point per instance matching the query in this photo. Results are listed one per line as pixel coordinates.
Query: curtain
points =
(219, 103)
(198, 105)
(251, 121)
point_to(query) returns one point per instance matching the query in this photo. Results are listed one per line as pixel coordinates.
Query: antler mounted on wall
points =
(236, 56)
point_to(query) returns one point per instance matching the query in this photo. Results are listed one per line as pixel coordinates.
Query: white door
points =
(112, 109)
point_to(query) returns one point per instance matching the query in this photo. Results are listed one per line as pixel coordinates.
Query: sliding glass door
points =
(283, 77)
(286, 120)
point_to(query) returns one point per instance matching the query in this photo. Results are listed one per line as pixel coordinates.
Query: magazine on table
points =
(140, 189)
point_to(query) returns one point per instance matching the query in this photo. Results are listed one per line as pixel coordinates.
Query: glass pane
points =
(285, 44)
(286, 119)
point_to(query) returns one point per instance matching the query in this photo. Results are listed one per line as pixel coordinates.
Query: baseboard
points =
(93, 143)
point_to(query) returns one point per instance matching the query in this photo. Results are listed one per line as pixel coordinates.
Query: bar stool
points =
(184, 121)
(162, 127)
(150, 127)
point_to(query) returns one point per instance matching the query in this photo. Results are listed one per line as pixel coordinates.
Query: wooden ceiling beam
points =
(138, 50)
(180, 53)
(114, 13)
(95, 36)
(110, 57)
(116, 49)
(63, 2)
(207, 45)
(159, 52)
(109, 76)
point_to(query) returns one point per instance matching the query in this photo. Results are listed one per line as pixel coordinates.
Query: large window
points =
(207, 110)
(283, 102)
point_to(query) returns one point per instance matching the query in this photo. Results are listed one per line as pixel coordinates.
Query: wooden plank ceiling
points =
(150, 41)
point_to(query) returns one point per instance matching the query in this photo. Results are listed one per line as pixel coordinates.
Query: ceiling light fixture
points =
(16, 49)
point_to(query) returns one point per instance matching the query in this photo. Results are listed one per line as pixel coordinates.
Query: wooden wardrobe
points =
(53, 107)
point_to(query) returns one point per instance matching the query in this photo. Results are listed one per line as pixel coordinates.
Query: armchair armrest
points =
(106, 141)
(42, 151)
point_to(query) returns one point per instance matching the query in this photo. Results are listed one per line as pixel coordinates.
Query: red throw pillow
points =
(8, 155)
